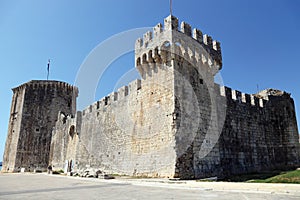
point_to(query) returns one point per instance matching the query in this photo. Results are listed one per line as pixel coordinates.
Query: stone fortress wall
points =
(176, 121)
(95, 139)
(127, 132)
(259, 137)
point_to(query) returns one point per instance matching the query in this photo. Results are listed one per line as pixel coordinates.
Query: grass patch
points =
(268, 177)
(283, 177)
(252, 176)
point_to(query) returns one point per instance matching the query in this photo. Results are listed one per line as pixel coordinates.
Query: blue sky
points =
(259, 39)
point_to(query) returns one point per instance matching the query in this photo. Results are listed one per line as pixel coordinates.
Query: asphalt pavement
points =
(52, 187)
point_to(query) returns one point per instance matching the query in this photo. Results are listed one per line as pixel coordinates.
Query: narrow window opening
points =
(72, 131)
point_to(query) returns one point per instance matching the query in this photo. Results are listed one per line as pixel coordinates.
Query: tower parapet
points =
(48, 84)
(167, 42)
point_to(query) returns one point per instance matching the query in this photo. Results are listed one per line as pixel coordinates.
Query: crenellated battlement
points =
(114, 97)
(165, 42)
(44, 84)
(257, 100)
(171, 23)
(230, 94)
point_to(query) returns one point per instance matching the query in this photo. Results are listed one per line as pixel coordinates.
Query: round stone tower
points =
(34, 110)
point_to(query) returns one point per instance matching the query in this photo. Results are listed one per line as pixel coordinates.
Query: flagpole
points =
(48, 69)
(170, 7)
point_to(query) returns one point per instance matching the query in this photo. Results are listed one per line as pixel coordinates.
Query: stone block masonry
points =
(34, 110)
(259, 137)
(128, 132)
(174, 122)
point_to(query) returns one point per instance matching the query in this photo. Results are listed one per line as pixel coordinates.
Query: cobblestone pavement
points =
(42, 186)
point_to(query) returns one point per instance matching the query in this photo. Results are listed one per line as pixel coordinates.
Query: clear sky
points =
(259, 39)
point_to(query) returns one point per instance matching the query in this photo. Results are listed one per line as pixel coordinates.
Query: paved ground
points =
(42, 186)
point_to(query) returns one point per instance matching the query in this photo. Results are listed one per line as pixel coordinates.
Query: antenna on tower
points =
(170, 7)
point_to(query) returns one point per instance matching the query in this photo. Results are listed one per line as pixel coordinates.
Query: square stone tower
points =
(193, 59)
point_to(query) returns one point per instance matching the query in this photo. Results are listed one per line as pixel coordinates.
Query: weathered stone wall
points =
(177, 122)
(64, 146)
(199, 110)
(40, 104)
(259, 134)
(127, 132)
(16, 112)
(233, 132)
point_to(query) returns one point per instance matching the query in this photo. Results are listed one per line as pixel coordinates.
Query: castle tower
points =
(34, 110)
(192, 59)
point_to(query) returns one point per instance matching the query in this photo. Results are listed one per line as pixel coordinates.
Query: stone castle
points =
(174, 122)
